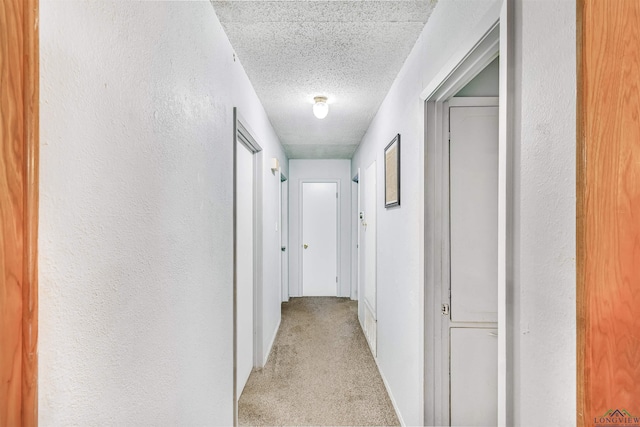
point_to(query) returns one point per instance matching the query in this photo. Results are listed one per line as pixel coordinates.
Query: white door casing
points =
(284, 238)
(245, 267)
(247, 260)
(489, 39)
(319, 239)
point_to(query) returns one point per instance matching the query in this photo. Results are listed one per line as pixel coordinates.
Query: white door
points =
(474, 378)
(355, 240)
(368, 231)
(244, 256)
(473, 151)
(319, 239)
(370, 237)
(471, 326)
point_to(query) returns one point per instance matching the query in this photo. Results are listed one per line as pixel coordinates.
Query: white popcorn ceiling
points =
(348, 51)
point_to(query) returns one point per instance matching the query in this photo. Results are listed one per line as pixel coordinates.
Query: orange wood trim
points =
(12, 212)
(608, 209)
(31, 92)
(18, 211)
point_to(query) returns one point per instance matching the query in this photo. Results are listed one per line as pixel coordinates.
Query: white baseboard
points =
(393, 400)
(273, 340)
(371, 330)
(384, 380)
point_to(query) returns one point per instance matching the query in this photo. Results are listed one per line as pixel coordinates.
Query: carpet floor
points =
(320, 371)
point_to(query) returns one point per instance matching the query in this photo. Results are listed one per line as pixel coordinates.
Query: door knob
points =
(305, 246)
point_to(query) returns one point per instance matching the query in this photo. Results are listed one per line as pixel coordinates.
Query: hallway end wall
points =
(301, 170)
(136, 259)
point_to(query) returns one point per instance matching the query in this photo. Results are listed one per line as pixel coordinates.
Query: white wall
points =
(136, 213)
(545, 156)
(544, 374)
(301, 170)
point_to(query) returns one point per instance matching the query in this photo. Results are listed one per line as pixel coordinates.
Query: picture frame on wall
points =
(392, 173)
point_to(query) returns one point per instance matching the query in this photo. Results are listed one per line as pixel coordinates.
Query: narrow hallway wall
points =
(136, 259)
(544, 330)
(400, 270)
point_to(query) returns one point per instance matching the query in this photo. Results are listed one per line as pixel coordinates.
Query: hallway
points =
(320, 371)
(194, 190)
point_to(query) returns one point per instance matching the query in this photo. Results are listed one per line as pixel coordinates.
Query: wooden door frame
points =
(20, 153)
(608, 202)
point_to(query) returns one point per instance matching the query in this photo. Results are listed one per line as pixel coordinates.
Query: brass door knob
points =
(305, 246)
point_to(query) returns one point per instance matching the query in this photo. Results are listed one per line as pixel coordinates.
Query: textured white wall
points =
(544, 341)
(545, 328)
(136, 220)
(320, 169)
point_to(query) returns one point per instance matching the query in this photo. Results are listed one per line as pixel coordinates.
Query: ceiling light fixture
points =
(320, 108)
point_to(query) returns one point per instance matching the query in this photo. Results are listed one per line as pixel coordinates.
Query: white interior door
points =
(319, 239)
(473, 151)
(470, 325)
(245, 271)
(474, 380)
(368, 231)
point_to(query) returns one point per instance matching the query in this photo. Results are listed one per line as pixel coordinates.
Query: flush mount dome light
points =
(320, 108)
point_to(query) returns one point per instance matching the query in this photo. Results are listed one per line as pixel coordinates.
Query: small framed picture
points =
(392, 173)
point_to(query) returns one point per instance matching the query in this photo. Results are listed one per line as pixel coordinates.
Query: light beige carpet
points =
(320, 371)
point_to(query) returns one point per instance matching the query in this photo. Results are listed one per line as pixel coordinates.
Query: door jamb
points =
(355, 236)
(284, 196)
(490, 39)
(242, 134)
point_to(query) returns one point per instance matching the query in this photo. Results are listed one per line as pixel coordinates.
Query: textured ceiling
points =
(349, 51)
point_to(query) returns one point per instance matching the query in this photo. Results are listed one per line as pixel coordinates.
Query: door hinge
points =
(336, 279)
(336, 195)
